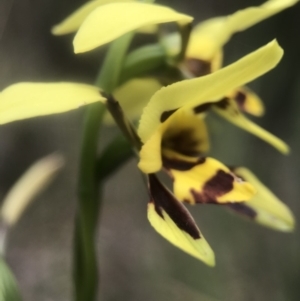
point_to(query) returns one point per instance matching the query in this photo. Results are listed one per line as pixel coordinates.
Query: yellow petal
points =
(73, 22)
(27, 100)
(209, 181)
(173, 222)
(111, 21)
(34, 180)
(182, 137)
(230, 112)
(133, 97)
(210, 88)
(150, 154)
(248, 101)
(209, 37)
(172, 45)
(200, 67)
(186, 134)
(266, 208)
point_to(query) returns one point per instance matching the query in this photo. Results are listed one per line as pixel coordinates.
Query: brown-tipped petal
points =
(182, 136)
(209, 181)
(229, 110)
(173, 221)
(248, 101)
(264, 208)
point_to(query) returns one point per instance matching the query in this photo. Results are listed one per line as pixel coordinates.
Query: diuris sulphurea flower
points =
(172, 134)
(175, 138)
(204, 51)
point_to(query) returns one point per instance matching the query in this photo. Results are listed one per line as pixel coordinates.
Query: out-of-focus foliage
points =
(8, 287)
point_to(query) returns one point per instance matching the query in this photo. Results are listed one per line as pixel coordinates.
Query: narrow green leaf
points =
(85, 257)
(111, 69)
(8, 286)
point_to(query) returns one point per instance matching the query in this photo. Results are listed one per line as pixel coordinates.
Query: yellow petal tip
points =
(100, 28)
(55, 30)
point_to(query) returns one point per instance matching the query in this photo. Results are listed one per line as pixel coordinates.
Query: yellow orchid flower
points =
(171, 128)
(205, 48)
(204, 51)
(175, 138)
(196, 180)
(204, 54)
(194, 93)
(209, 37)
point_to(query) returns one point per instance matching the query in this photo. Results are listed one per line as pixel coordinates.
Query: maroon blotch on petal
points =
(180, 164)
(217, 186)
(163, 199)
(243, 209)
(198, 67)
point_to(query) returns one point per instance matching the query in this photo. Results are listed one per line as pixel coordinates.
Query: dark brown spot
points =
(180, 164)
(202, 108)
(163, 199)
(223, 103)
(198, 67)
(240, 99)
(217, 186)
(243, 209)
(165, 115)
(182, 142)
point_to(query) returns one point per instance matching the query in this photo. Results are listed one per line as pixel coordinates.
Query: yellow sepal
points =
(133, 96)
(73, 22)
(209, 181)
(198, 248)
(209, 37)
(248, 101)
(211, 88)
(268, 210)
(231, 113)
(177, 226)
(172, 44)
(27, 100)
(108, 22)
(182, 136)
(186, 134)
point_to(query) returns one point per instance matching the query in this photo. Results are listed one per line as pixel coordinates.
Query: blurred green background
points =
(253, 263)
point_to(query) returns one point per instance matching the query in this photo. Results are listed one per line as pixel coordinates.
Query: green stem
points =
(107, 79)
(85, 257)
(143, 61)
